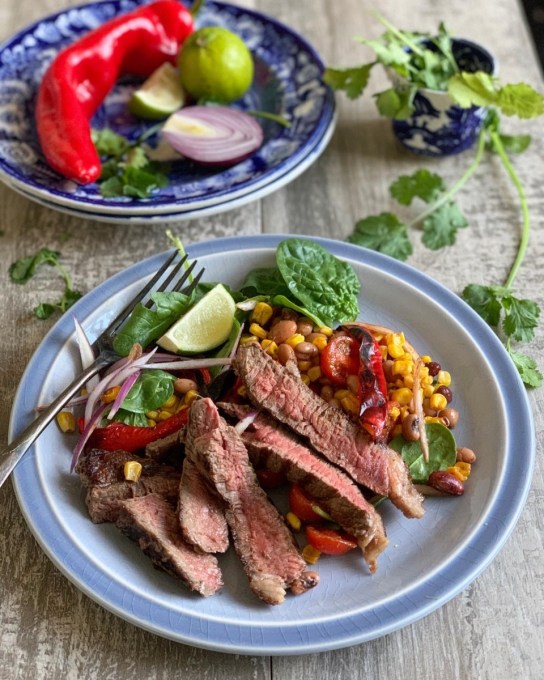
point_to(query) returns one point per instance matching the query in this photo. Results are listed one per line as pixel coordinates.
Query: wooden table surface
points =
(494, 629)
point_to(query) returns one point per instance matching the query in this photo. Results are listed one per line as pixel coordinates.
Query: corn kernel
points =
(340, 394)
(402, 367)
(262, 313)
(395, 338)
(110, 395)
(426, 359)
(314, 373)
(325, 330)
(66, 421)
(189, 397)
(394, 412)
(460, 470)
(247, 339)
(395, 351)
(428, 391)
(258, 331)
(305, 379)
(320, 342)
(152, 414)
(443, 378)
(295, 339)
(404, 411)
(383, 351)
(293, 521)
(403, 395)
(423, 372)
(151, 422)
(427, 380)
(164, 415)
(310, 554)
(132, 470)
(170, 402)
(269, 346)
(350, 404)
(433, 419)
(181, 407)
(304, 365)
(438, 401)
(242, 391)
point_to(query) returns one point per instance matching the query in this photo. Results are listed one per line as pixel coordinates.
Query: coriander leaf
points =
(421, 184)
(520, 318)
(513, 143)
(440, 227)
(389, 51)
(139, 183)
(69, 298)
(473, 89)
(396, 104)
(384, 233)
(442, 452)
(520, 100)
(527, 369)
(136, 157)
(109, 143)
(44, 310)
(352, 81)
(113, 186)
(24, 269)
(483, 300)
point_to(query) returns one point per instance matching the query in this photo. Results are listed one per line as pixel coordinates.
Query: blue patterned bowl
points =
(438, 127)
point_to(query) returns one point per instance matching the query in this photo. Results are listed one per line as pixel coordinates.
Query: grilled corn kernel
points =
(310, 554)
(190, 397)
(132, 470)
(443, 378)
(427, 380)
(460, 470)
(438, 401)
(428, 391)
(402, 367)
(171, 402)
(269, 346)
(383, 351)
(295, 340)
(258, 331)
(403, 395)
(293, 521)
(110, 395)
(320, 342)
(325, 330)
(409, 381)
(66, 421)
(304, 365)
(314, 373)
(394, 412)
(426, 359)
(262, 313)
(247, 339)
(152, 414)
(433, 419)
(242, 391)
(395, 351)
(151, 422)
(305, 379)
(340, 394)
(350, 404)
(164, 415)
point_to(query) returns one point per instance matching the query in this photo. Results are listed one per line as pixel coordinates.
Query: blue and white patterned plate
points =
(287, 83)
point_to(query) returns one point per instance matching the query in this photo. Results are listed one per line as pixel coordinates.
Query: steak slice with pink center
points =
(280, 391)
(279, 449)
(152, 522)
(262, 541)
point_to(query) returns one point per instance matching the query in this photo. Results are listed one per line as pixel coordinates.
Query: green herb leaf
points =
(384, 233)
(473, 89)
(440, 227)
(520, 100)
(24, 269)
(421, 184)
(352, 81)
(264, 281)
(149, 392)
(513, 143)
(520, 318)
(396, 104)
(442, 452)
(109, 143)
(527, 369)
(44, 310)
(129, 418)
(484, 301)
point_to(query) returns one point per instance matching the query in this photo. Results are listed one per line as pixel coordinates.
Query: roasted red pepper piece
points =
(329, 541)
(80, 77)
(373, 386)
(340, 358)
(119, 436)
(302, 506)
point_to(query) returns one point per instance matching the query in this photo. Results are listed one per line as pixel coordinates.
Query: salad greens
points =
(442, 452)
(26, 268)
(149, 392)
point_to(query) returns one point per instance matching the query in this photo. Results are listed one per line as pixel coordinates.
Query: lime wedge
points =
(160, 95)
(205, 326)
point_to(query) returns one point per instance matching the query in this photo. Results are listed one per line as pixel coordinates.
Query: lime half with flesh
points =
(161, 94)
(204, 327)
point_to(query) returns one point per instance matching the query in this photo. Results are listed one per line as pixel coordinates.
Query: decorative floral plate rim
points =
(288, 83)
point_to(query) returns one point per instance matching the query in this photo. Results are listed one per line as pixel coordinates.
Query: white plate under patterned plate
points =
(427, 562)
(287, 83)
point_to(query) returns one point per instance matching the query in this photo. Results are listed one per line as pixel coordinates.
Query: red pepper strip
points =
(302, 506)
(340, 358)
(329, 541)
(373, 390)
(121, 437)
(81, 75)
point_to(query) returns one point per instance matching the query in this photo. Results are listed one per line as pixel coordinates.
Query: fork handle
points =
(13, 452)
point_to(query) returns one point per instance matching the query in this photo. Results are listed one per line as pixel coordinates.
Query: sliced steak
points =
(279, 390)
(279, 449)
(263, 542)
(152, 522)
(103, 502)
(100, 468)
(201, 512)
(162, 448)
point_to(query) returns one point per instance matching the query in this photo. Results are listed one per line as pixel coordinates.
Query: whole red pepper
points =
(121, 437)
(80, 77)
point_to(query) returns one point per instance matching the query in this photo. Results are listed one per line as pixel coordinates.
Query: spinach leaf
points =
(326, 286)
(282, 301)
(264, 281)
(146, 325)
(442, 452)
(226, 347)
(149, 392)
(129, 418)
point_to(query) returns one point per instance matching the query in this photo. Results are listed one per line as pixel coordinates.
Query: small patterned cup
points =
(438, 127)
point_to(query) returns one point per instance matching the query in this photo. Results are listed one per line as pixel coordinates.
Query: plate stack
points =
(287, 84)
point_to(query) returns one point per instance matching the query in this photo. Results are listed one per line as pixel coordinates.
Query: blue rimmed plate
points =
(287, 83)
(428, 561)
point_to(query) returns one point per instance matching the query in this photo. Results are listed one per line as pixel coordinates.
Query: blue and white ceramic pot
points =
(438, 127)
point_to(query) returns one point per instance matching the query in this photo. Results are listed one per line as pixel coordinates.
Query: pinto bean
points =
(285, 354)
(305, 326)
(183, 385)
(282, 330)
(306, 350)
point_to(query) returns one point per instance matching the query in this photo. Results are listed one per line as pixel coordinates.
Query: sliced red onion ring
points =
(213, 135)
(87, 431)
(86, 353)
(125, 389)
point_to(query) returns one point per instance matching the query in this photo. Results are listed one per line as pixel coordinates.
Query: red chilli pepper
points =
(329, 541)
(119, 436)
(80, 77)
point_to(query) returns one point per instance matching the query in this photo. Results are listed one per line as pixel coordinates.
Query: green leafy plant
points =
(26, 268)
(442, 452)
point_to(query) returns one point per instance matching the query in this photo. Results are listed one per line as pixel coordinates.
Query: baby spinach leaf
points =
(129, 418)
(149, 392)
(264, 281)
(326, 286)
(442, 452)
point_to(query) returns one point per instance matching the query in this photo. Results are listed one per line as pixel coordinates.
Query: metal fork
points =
(105, 355)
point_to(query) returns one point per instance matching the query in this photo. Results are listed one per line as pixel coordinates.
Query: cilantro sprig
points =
(26, 268)
(126, 168)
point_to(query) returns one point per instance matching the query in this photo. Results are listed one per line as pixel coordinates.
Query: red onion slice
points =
(213, 135)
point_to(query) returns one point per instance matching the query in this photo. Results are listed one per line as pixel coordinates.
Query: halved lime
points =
(205, 326)
(161, 94)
